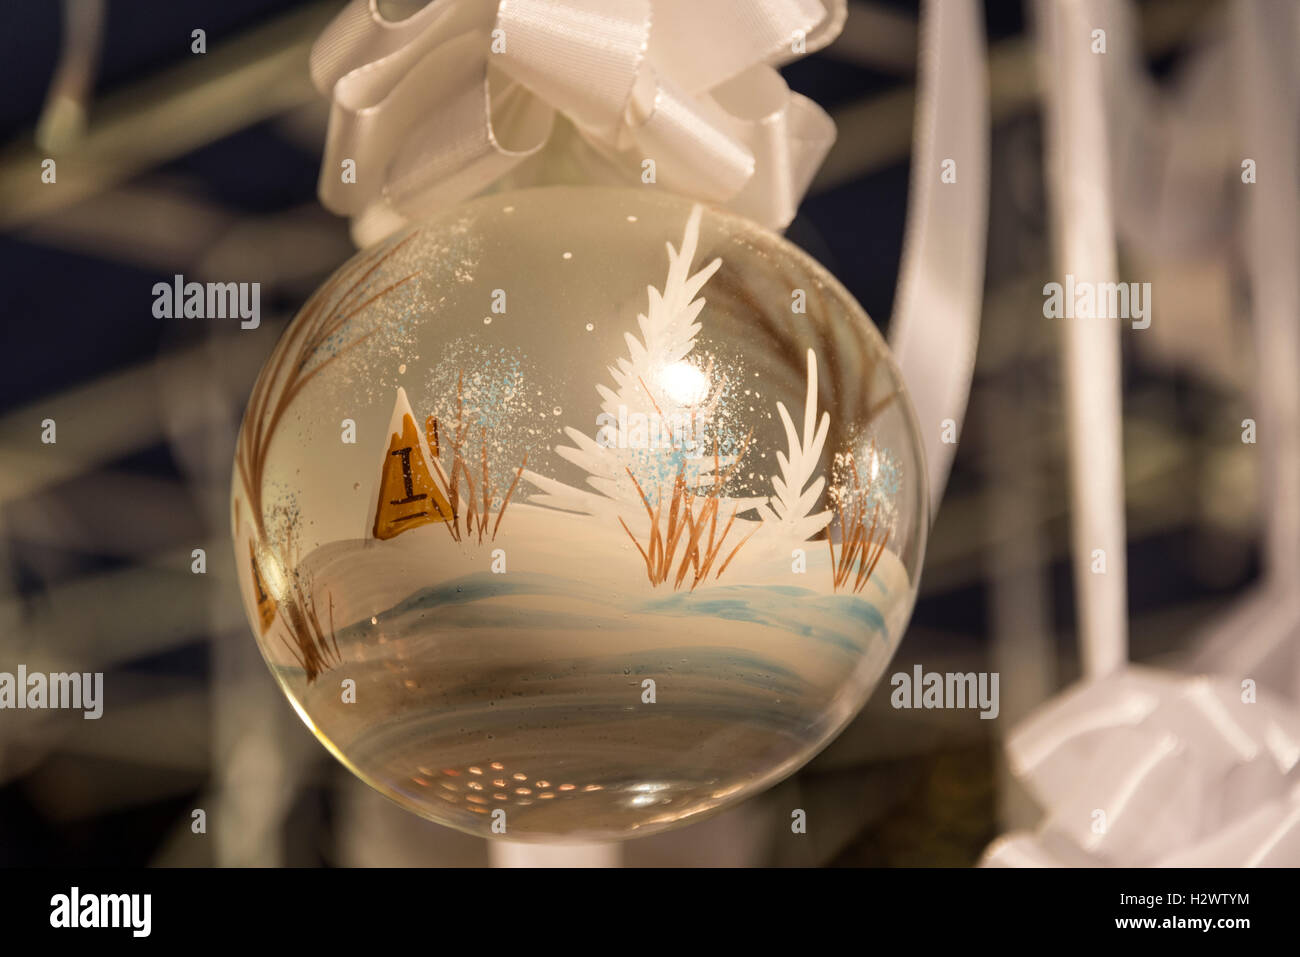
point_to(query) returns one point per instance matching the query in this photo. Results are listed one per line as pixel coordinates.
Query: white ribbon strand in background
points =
(934, 330)
(1079, 201)
(466, 95)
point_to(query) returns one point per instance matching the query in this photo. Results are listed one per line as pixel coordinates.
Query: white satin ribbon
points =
(1187, 770)
(935, 325)
(464, 94)
(1146, 768)
(1079, 199)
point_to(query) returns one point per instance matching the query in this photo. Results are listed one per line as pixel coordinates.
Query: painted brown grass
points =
(860, 548)
(686, 533)
(286, 375)
(479, 495)
(314, 647)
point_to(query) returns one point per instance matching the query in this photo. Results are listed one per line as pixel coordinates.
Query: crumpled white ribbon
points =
(463, 95)
(1152, 768)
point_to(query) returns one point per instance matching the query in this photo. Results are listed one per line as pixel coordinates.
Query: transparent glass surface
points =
(578, 513)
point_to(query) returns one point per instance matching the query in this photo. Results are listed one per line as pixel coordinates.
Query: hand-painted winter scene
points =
(595, 509)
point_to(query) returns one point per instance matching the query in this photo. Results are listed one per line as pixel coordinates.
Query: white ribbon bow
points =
(462, 95)
(1182, 770)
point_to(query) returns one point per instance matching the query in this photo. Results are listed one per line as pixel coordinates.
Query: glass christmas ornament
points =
(578, 512)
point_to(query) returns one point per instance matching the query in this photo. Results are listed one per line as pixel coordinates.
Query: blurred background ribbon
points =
(436, 103)
(1150, 768)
